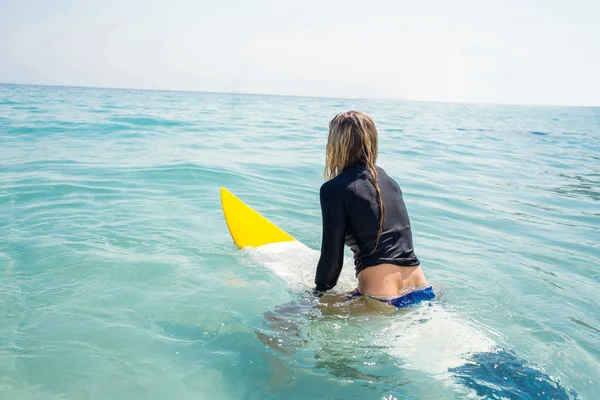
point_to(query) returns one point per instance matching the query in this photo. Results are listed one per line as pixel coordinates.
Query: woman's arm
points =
(333, 214)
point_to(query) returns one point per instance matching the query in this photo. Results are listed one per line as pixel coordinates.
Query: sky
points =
(492, 51)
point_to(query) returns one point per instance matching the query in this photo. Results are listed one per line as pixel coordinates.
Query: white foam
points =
(431, 339)
(296, 264)
(427, 339)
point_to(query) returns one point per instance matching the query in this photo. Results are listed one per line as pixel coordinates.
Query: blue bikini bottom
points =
(406, 300)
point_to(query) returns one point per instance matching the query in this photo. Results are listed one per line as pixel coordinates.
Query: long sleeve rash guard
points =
(350, 216)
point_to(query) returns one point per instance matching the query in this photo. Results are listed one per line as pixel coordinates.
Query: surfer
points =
(363, 207)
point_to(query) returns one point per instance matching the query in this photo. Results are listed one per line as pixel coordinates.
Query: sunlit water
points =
(119, 280)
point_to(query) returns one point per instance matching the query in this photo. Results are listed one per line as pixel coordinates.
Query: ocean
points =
(119, 279)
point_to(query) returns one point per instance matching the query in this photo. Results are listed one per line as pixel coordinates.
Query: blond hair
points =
(353, 140)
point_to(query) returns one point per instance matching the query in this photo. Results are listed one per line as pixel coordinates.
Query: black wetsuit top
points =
(350, 213)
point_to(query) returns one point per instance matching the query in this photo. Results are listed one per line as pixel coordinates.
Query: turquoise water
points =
(118, 278)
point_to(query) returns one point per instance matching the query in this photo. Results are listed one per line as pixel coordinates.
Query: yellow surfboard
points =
(247, 227)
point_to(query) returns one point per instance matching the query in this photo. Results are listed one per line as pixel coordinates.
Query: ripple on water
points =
(119, 278)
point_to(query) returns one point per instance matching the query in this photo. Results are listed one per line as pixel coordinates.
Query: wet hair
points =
(352, 140)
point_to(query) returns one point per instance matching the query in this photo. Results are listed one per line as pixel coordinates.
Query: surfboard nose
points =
(247, 227)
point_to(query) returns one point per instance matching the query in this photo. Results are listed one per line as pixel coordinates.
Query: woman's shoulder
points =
(382, 172)
(386, 180)
(340, 184)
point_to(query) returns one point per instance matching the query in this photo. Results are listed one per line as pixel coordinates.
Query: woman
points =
(363, 208)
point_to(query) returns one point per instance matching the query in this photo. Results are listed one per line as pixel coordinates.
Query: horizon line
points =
(302, 96)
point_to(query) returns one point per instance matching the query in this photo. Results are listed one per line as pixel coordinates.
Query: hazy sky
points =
(510, 51)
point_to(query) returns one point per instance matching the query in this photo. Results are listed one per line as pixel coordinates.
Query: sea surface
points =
(119, 279)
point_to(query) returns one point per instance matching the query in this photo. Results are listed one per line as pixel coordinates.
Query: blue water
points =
(118, 277)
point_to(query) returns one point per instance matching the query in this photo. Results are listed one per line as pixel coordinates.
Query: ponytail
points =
(375, 182)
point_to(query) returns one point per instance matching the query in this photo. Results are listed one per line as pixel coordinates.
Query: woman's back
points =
(351, 216)
(395, 245)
